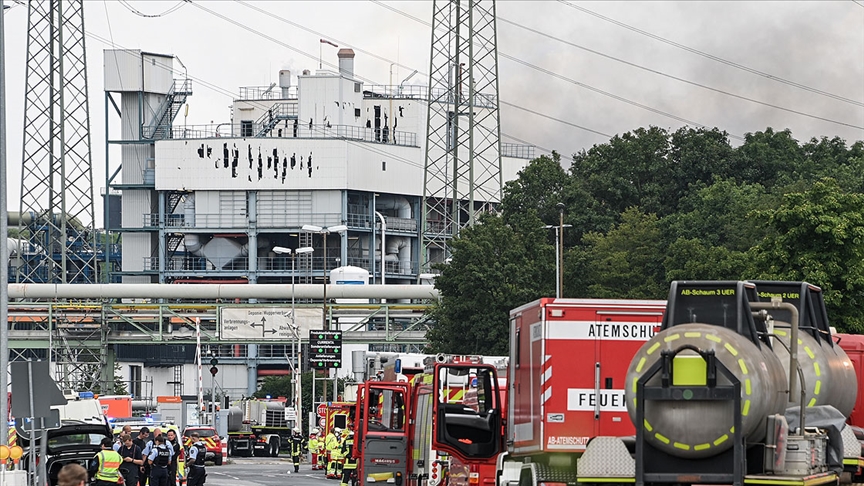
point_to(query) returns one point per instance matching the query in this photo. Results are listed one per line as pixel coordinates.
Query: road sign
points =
(325, 349)
(266, 323)
(322, 422)
(322, 410)
(33, 377)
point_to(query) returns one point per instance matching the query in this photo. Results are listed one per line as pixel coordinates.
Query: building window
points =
(246, 128)
(357, 112)
(135, 380)
(356, 87)
(383, 165)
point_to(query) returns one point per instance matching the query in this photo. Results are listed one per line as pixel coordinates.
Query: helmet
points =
(296, 430)
(337, 430)
(351, 434)
(316, 431)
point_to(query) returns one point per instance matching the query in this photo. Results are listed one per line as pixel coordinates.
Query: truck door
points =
(619, 336)
(467, 430)
(384, 447)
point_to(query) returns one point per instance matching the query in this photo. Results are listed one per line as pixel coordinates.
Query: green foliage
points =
(819, 237)
(494, 268)
(650, 206)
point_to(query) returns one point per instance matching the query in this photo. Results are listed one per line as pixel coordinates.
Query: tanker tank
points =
(709, 316)
(235, 419)
(829, 376)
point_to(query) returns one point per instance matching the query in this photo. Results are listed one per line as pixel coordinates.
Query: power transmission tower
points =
(463, 153)
(56, 220)
(56, 217)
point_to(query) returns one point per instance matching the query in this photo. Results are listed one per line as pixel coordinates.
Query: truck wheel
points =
(230, 449)
(274, 447)
(218, 459)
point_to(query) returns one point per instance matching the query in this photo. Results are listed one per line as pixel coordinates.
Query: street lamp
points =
(339, 228)
(559, 256)
(295, 351)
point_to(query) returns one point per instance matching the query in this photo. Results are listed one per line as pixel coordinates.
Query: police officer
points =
(141, 441)
(297, 443)
(174, 444)
(195, 461)
(350, 461)
(159, 459)
(106, 465)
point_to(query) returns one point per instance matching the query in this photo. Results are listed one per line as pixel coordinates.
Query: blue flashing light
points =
(474, 383)
(398, 366)
(86, 394)
(268, 397)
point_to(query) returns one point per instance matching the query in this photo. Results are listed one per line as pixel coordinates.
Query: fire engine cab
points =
(445, 422)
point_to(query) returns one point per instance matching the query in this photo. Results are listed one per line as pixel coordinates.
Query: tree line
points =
(651, 206)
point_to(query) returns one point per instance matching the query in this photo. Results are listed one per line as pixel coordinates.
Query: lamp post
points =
(341, 228)
(383, 248)
(295, 344)
(559, 256)
(560, 249)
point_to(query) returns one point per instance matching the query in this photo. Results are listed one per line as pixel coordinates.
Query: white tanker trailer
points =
(708, 393)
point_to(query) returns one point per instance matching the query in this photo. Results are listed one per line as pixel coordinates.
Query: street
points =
(265, 472)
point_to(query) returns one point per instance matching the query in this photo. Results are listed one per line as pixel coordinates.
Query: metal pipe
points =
(776, 303)
(217, 291)
(4, 242)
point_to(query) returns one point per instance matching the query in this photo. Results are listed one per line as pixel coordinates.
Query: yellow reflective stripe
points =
(747, 386)
(812, 402)
(712, 337)
(778, 332)
(731, 349)
(817, 387)
(640, 365)
(648, 426)
(743, 366)
(746, 408)
(653, 348)
(672, 337)
(721, 439)
(809, 353)
(692, 334)
(816, 368)
(662, 438)
(701, 447)
(681, 446)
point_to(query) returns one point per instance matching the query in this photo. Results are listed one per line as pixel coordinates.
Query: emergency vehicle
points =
(443, 426)
(568, 362)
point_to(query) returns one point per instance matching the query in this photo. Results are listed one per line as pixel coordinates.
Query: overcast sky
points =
(817, 45)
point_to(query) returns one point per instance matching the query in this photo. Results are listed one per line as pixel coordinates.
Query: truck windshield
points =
(467, 410)
(386, 411)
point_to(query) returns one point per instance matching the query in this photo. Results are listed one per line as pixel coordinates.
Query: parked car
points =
(76, 441)
(211, 440)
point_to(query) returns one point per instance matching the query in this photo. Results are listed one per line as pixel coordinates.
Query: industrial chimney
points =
(346, 62)
(285, 82)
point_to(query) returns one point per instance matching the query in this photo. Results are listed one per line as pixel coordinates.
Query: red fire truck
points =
(444, 426)
(568, 362)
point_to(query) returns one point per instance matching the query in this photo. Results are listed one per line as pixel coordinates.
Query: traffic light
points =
(214, 370)
(214, 362)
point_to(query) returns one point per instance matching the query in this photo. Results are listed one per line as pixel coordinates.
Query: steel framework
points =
(56, 179)
(55, 225)
(462, 175)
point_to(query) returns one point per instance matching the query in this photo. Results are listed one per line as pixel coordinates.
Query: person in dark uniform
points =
(297, 444)
(141, 442)
(195, 462)
(159, 459)
(172, 442)
(350, 461)
(132, 459)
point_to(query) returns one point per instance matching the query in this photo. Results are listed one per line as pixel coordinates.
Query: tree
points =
(494, 268)
(818, 236)
(626, 263)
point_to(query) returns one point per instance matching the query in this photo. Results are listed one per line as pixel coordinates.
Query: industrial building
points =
(320, 154)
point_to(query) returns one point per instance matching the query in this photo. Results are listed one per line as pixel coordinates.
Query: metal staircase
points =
(277, 113)
(160, 127)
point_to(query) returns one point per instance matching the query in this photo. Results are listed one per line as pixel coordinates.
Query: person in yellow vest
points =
(106, 465)
(331, 443)
(313, 448)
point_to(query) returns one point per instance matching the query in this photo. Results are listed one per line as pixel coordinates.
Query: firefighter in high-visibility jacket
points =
(331, 444)
(106, 465)
(350, 461)
(313, 448)
(297, 444)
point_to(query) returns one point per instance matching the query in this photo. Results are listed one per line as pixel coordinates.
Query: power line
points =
(570, 80)
(644, 68)
(137, 12)
(711, 56)
(319, 34)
